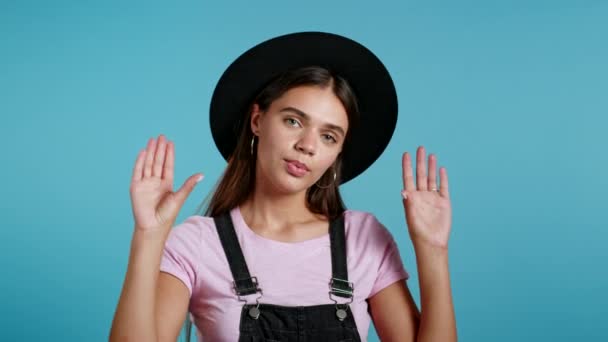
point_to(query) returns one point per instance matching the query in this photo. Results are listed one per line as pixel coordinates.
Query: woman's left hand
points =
(428, 213)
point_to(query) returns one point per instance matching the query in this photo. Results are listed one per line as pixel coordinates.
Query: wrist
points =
(423, 245)
(143, 237)
(150, 233)
(432, 263)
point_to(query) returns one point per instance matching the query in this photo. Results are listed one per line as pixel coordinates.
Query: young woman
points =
(277, 256)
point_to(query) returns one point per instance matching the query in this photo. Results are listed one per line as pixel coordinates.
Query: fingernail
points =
(404, 194)
(199, 178)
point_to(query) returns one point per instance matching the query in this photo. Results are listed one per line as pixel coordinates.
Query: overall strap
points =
(244, 284)
(340, 286)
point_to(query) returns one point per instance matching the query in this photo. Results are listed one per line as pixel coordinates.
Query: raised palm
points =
(155, 205)
(427, 208)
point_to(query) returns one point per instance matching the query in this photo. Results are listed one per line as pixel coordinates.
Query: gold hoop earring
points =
(330, 184)
(252, 141)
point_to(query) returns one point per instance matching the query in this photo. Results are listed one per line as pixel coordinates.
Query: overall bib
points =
(261, 322)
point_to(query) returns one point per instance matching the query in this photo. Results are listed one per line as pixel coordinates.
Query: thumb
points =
(187, 187)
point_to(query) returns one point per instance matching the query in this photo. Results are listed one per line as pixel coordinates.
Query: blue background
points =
(512, 96)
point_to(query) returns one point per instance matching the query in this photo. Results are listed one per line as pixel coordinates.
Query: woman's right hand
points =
(155, 205)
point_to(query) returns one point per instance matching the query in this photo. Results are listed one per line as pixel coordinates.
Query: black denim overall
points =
(268, 322)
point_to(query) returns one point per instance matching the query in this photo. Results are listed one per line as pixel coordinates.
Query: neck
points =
(275, 211)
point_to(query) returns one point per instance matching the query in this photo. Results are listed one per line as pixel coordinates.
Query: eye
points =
(291, 121)
(331, 138)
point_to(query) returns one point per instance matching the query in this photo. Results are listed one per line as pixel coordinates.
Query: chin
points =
(289, 184)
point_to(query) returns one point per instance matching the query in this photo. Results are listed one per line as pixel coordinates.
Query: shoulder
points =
(194, 223)
(191, 230)
(365, 226)
(364, 220)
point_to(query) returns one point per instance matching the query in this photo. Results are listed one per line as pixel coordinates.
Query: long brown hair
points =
(238, 180)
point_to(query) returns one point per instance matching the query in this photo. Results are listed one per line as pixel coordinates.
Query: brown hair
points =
(238, 179)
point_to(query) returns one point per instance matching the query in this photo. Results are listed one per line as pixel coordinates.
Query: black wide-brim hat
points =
(367, 76)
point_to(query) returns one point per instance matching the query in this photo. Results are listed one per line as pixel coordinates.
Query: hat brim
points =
(366, 74)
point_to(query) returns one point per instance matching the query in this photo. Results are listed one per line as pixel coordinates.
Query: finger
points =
(151, 150)
(407, 173)
(169, 162)
(421, 169)
(432, 172)
(443, 174)
(187, 187)
(159, 158)
(139, 166)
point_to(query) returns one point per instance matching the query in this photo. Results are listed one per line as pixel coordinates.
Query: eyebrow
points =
(307, 118)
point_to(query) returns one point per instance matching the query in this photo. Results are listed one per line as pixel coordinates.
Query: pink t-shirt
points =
(289, 274)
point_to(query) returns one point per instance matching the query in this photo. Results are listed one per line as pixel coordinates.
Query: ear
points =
(256, 116)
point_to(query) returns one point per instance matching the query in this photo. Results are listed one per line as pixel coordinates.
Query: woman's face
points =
(300, 137)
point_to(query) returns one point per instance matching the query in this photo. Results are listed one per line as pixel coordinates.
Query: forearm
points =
(135, 317)
(437, 321)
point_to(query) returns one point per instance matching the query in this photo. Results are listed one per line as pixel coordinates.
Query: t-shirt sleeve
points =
(181, 254)
(390, 267)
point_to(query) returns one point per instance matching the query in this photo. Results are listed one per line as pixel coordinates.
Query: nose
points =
(307, 142)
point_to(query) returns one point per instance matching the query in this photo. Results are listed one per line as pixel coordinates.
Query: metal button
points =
(254, 312)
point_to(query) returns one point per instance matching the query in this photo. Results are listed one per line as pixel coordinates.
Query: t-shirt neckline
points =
(242, 225)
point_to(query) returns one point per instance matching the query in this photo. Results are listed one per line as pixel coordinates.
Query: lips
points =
(298, 164)
(295, 168)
